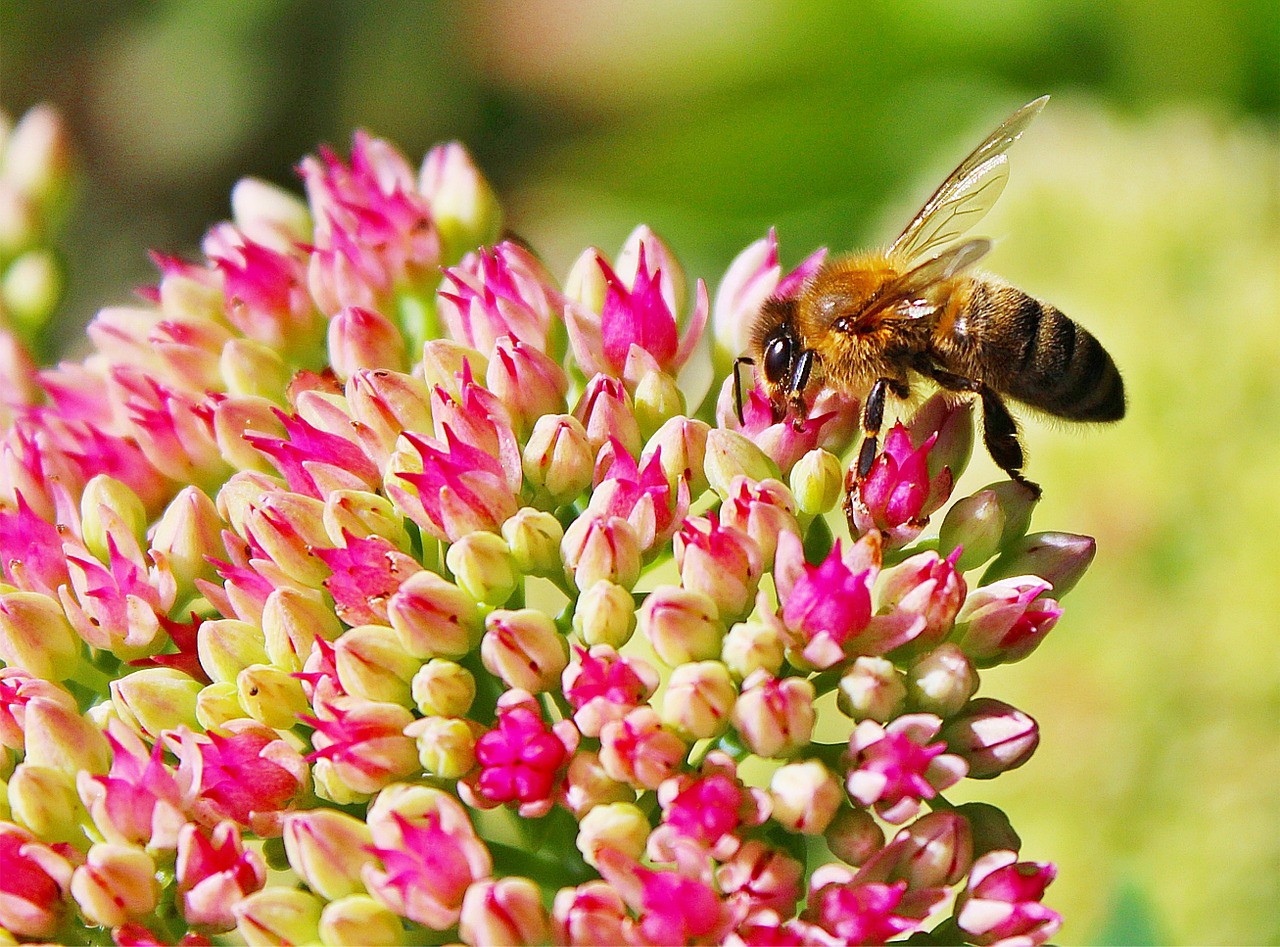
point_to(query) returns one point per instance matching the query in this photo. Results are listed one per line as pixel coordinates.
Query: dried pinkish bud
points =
(1061, 559)
(992, 737)
(854, 835)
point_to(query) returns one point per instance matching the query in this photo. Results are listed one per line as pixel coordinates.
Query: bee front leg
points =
(873, 420)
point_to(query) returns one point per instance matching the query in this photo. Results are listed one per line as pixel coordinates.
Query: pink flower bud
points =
(605, 411)
(637, 750)
(328, 849)
(806, 797)
(18, 688)
(854, 835)
(499, 293)
(434, 617)
(831, 423)
(524, 648)
(895, 767)
(33, 886)
(934, 851)
(289, 527)
(761, 878)
(1005, 621)
(752, 646)
(927, 586)
(214, 871)
(430, 855)
(601, 685)
(505, 911)
(951, 418)
(1059, 558)
(1001, 903)
(362, 338)
(460, 490)
(992, 737)
(872, 689)
(587, 785)
(722, 562)
(699, 699)
(116, 883)
(592, 913)
(597, 547)
(362, 743)
(673, 908)
(774, 716)
(866, 912)
(681, 445)
(681, 625)
(386, 404)
(527, 381)
(941, 681)
(986, 521)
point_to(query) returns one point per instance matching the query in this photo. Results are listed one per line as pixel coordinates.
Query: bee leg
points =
(999, 430)
(873, 420)
(795, 391)
(737, 383)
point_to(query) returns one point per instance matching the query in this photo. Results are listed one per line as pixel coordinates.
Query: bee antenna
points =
(737, 384)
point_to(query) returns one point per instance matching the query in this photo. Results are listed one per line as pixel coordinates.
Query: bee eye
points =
(777, 358)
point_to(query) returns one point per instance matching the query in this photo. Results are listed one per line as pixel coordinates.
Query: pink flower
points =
(461, 488)
(361, 338)
(607, 414)
(592, 913)
(140, 801)
(928, 586)
(865, 912)
(215, 871)
(763, 879)
(527, 381)
(115, 607)
(1006, 620)
(315, 462)
(637, 750)
(1001, 903)
(362, 741)
(428, 862)
(366, 574)
(497, 293)
(897, 495)
(895, 767)
(831, 423)
(673, 907)
(266, 291)
(33, 885)
(174, 429)
(521, 761)
(706, 808)
(34, 559)
(762, 510)
(720, 561)
(643, 498)
(602, 685)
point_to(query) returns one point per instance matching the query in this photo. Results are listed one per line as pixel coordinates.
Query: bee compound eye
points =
(777, 358)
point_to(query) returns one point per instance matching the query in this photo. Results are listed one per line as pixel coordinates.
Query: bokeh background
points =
(1145, 202)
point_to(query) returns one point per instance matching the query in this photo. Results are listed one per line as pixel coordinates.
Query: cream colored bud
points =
(443, 688)
(605, 614)
(730, 454)
(271, 696)
(483, 567)
(817, 481)
(617, 825)
(372, 663)
(534, 538)
(359, 921)
(252, 369)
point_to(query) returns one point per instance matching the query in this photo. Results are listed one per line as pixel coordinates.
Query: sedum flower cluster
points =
(366, 584)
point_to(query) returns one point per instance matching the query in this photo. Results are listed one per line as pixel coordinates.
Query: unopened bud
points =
(36, 636)
(618, 825)
(558, 458)
(506, 911)
(44, 800)
(598, 547)
(463, 206)
(155, 699)
(817, 481)
(683, 445)
(729, 455)
(446, 745)
(226, 646)
(775, 716)
(990, 827)
(364, 338)
(278, 915)
(854, 835)
(57, 736)
(188, 534)
(115, 884)
(250, 368)
(941, 681)
(806, 797)
(372, 664)
(872, 689)
(1061, 559)
(992, 737)
(699, 699)
(292, 619)
(357, 921)
(217, 705)
(525, 649)
(534, 539)
(271, 696)
(657, 400)
(433, 617)
(328, 849)
(605, 614)
(681, 625)
(443, 688)
(483, 567)
(752, 646)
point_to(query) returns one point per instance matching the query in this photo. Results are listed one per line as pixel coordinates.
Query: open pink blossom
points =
(895, 767)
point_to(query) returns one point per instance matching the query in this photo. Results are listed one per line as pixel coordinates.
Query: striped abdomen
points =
(1030, 351)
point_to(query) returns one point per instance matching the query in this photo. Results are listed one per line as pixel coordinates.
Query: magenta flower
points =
(642, 497)
(707, 808)
(720, 561)
(367, 572)
(496, 293)
(361, 741)
(521, 761)
(33, 885)
(1001, 903)
(858, 912)
(894, 768)
(41, 566)
(461, 488)
(266, 291)
(115, 606)
(897, 495)
(673, 908)
(1005, 621)
(140, 801)
(831, 423)
(927, 586)
(315, 462)
(828, 606)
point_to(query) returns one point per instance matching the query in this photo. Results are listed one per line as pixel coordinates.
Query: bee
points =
(870, 324)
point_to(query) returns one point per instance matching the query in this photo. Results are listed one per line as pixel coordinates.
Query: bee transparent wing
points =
(968, 192)
(903, 298)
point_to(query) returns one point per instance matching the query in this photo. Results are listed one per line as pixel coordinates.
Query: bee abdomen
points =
(1058, 366)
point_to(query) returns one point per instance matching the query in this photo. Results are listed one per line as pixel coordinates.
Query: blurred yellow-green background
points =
(1145, 202)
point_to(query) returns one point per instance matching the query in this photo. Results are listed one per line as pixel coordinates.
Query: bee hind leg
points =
(999, 430)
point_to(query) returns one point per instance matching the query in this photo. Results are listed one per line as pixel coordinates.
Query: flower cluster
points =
(368, 554)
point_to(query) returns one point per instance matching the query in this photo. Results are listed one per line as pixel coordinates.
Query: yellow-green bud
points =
(227, 646)
(443, 688)
(36, 636)
(483, 567)
(328, 849)
(942, 680)
(217, 705)
(558, 459)
(363, 514)
(31, 288)
(442, 361)
(681, 626)
(752, 646)
(156, 699)
(277, 915)
(446, 745)
(806, 797)
(372, 663)
(44, 800)
(115, 884)
(188, 532)
(292, 619)
(534, 538)
(235, 417)
(359, 921)
(618, 825)
(463, 206)
(250, 368)
(817, 481)
(271, 696)
(730, 454)
(699, 699)
(58, 736)
(605, 614)
(109, 507)
(657, 400)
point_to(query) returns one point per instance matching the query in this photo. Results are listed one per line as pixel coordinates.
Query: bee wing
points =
(912, 285)
(968, 192)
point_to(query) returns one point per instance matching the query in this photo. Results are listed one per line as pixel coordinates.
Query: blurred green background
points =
(1145, 202)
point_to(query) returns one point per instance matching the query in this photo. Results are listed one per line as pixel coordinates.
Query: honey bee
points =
(870, 323)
